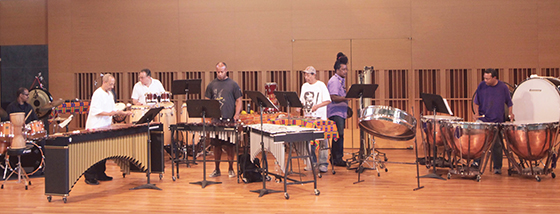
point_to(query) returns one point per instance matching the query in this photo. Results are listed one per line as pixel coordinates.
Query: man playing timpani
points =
(146, 84)
(315, 97)
(491, 95)
(101, 110)
(228, 93)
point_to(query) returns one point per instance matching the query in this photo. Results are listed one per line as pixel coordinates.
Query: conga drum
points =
(167, 117)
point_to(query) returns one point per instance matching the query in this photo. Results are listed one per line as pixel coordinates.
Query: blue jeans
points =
(337, 150)
(323, 153)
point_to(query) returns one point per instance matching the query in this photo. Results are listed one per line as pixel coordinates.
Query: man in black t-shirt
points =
(228, 93)
(21, 105)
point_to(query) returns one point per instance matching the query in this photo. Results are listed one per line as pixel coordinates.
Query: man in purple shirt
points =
(491, 95)
(338, 108)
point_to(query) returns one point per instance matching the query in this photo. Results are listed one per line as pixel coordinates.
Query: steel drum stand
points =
(262, 101)
(436, 103)
(417, 167)
(147, 118)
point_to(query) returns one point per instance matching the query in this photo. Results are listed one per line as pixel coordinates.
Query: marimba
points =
(69, 155)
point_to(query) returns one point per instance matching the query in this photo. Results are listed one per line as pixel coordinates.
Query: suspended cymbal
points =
(51, 105)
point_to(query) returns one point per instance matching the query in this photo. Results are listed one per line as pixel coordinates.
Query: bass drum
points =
(37, 98)
(32, 160)
(537, 100)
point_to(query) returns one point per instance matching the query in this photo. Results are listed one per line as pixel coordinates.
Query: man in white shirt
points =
(146, 85)
(101, 110)
(315, 97)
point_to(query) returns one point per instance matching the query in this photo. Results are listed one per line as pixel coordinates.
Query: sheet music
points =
(447, 106)
(274, 129)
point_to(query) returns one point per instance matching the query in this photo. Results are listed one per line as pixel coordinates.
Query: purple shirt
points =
(491, 100)
(337, 86)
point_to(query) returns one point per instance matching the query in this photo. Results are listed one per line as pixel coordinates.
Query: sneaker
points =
(323, 168)
(498, 171)
(104, 178)
(231, 174)
(215, 173)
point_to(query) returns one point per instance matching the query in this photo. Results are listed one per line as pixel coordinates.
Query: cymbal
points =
(51, 105)
(3, 113)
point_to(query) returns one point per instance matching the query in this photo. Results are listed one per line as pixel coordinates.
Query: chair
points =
(19, 169)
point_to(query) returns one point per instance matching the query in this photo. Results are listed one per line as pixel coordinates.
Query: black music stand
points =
(147, 118)
(436, 103)
(361, 91)
(186, 87)
(259, 99)
(288, 99)
(210, 108)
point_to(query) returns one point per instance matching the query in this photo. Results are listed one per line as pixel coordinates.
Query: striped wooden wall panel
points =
(458, 95)
(550, 72)
(397, 89)
(250, 81)
(195, 75)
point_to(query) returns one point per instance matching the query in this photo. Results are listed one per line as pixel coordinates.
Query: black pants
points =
(337, 150)
(96, 171)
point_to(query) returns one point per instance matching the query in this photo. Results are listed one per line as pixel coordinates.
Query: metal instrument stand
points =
(434, 102)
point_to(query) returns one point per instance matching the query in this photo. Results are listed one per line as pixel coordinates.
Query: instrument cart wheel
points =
(160, 176)
(320, 175)
(123, 175)
(386, 159)
(64, 199)
(333, 172)
(49, 198)
(448, 175)
(478, 178)
(378, 174)
(386, 170)
(2, 186)
(317, 192)
(278, 180)
(538, 178)
(29, 183)
(286, 195)
(25, 187)
(553, 175)
(509, 172)
(268, 178)
(174, 178)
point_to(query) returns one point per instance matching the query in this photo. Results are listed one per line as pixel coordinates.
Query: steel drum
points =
(469, 140)
(428, 127)
(388, 122)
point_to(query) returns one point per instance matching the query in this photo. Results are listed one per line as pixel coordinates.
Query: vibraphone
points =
(226, 131)
(69, 155)
(276, 137)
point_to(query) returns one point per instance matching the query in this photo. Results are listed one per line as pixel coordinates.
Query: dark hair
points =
(147, 71)
(341, 59)
(20, 91)
(492, 71)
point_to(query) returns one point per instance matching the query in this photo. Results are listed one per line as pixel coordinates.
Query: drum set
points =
(15, 134)
(530, 142)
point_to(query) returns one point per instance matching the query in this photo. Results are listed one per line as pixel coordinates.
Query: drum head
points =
(537, 100)
(37, 98)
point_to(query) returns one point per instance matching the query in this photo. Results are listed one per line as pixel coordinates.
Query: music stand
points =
(210, 108)
(186, 87)
(361, 91)
(262, 101)
(436, 103)
(147, 118)
(288, 99)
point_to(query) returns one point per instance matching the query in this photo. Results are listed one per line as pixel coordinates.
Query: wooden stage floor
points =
(392, 192)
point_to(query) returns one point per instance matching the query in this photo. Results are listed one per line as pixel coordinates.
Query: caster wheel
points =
(320, 175)
(268, 178)
(245, 180)
(427, 166)
(538, 178)
(317, 192)
(448, 175)
(49, 198)
(378, 174)
(553, 175)
(386, 170)
(65, 200)
(386, 159)
(123, 175)
(286, 196)
(333, 172)
(25, 187)
(160, 176)
(2, 186)
(278, 180)
(174, 178)
(29, 183)
(509, 172)
(478, 178)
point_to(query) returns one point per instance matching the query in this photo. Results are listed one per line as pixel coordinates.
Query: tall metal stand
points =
(204, 182)
(417, 167)
(434, 102)
(150, 115)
